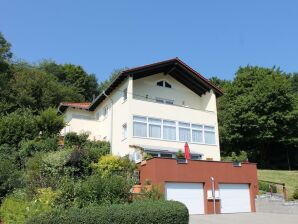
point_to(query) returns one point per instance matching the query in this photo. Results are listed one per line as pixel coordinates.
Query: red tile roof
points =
(83, 105)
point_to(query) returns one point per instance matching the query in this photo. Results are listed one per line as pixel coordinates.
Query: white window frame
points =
(155, 123)
(177, 126)
(140, 122)
(164, 84)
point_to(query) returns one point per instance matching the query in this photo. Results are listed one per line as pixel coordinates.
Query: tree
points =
(5, 53)
(73, 76)
(49, 122)
(35, 89)
(257, 114)
(104, 84)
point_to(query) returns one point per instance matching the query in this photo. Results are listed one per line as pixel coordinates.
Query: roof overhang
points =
(173, 67)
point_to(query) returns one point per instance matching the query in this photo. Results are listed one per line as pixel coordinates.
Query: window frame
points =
(177, 125)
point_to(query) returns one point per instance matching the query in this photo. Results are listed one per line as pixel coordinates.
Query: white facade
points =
(193, 118)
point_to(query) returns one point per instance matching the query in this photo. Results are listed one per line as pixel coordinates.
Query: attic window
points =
(164, 84)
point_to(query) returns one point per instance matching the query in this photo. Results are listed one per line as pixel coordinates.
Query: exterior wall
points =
(181, 94)
(160, 170)
(172, 112)
(196, 109)
(80, 125)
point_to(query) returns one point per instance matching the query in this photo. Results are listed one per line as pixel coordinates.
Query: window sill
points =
(159, 139)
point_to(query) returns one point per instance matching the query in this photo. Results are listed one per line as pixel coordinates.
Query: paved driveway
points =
(245, 218)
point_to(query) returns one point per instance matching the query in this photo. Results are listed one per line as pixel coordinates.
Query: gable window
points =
(125, 94)
(164, 84)
(160, 83)
(169, 130)
(197, 133)
(154, 128)
(184, 132)
(124, 131)
(209, 134)
(139, 126)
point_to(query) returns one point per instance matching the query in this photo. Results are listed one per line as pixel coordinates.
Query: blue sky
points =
(213, 37)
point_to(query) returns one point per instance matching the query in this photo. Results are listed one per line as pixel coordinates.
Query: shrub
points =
(264, 186)
(29, 147)
(95, 189)
(49, 122)
(295, 194)
(10, 176)
(18, 207)
(153, 212)
(233, 157)
(111, 164)
(152, 194)
(73, 139)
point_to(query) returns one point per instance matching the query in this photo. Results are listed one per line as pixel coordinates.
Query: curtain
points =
(209, 137)
(154, 131)
(139, 129)
(184, 134)
(169, 133)
(197, 136)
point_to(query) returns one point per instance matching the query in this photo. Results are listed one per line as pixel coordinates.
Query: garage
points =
(234, 198)
(190, 194)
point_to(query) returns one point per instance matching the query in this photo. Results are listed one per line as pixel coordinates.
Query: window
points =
(168, 85)
(97, 116)
(166, 155)
(184, 132)
(124, 131)
(164, 84)
(154, 128)
(105, 111)
(139, 126)
(169, 130)
(209, 134)
(81, 116)
(165, 101)
(148, 127)
(160, 83)
(195, 157)
(125, 94)
(197, 133)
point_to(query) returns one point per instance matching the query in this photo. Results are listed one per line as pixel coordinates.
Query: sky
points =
(214, 37)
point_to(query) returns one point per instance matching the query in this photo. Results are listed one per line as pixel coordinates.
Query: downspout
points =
(213, 194)
(111, 128)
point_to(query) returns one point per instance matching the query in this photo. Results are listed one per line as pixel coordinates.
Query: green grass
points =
(290, 178)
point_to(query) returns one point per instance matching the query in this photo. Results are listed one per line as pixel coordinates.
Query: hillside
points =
(290, 178)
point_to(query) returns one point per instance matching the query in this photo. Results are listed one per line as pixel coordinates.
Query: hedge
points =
(264, 186)
(140, 212)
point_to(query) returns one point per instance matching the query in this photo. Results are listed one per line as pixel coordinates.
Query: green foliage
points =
(180, 154)
(73, 139)
(103, 85)
(235, 158)
(94, 190)
(29, 147)
(5, 53)
(267, 187)
(49, 122)
(10, 176)
(295, 194)
(154, 212)
(18, 126)
(73, 76)
(154, 193)
(259, 114)
(111, 164)
(18, 207)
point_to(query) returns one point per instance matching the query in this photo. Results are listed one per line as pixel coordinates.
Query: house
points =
(156, 108)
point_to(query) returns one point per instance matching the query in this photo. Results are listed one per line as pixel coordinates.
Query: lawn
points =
(290, 178)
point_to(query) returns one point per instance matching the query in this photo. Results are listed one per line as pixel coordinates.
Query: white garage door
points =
(190, 194)
(234, 198)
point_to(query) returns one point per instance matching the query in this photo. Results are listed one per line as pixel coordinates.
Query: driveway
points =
(245, 218)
